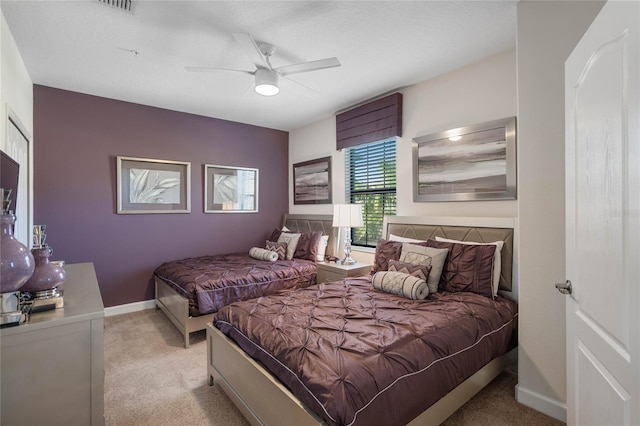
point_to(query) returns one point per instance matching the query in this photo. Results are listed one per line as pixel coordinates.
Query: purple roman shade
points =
(373, 121)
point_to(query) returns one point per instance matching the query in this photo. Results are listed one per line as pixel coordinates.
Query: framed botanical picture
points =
(470, 163)
(312, 182)
(230, 189)
(153, 186)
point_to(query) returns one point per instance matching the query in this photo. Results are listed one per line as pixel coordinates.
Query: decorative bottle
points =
(16, 262)
(47, 275)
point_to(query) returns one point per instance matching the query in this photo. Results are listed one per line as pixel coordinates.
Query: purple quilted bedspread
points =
(211, 282)
(355, 355)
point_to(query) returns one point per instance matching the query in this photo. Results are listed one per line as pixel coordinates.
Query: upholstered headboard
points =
(477, 229)
(311, 223)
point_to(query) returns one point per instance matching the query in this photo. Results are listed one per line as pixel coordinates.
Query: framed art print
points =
(153, 186)
(470, 163)
(312, 182)
(230, 189)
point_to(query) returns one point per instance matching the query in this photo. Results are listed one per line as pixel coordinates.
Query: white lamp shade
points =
(267, 82)
(347, 215)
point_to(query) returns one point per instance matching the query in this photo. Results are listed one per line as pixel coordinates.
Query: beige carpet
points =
(150, 379)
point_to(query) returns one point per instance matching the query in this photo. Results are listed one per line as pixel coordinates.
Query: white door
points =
(602, 217)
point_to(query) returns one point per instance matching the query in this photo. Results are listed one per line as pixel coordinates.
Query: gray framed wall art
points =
(146, 185)
(312, 181)
(470, 163)
(230, 189)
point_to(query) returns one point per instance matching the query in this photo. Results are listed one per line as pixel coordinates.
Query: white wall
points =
(547, 33)
(480, 92)
(16, 88)
(16, 99)
(477, 93)
(316, 141)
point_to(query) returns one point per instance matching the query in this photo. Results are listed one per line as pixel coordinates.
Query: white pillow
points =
(497, 258)
(292, 243)
(322, 248)
(400, 239)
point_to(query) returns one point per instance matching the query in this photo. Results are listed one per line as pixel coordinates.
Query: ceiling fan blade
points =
(248, 44)
(205, 69)
(247, 90)
(306, 89)
(308, 66)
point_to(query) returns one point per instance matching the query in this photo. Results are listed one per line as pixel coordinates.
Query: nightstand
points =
(331, 271)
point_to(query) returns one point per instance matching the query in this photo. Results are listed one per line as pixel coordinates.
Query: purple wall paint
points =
(77, 139)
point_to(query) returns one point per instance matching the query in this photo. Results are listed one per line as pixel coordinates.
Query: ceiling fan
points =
(266, 77)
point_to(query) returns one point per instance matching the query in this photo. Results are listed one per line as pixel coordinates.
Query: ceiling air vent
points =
(118, 4)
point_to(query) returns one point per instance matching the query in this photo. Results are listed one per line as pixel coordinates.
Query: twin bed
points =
(346, 353)
(190, 291)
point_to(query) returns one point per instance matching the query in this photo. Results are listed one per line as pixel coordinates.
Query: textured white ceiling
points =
(85, 46)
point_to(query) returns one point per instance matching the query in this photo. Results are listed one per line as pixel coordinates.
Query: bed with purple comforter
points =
(356, 355)
(211, 282)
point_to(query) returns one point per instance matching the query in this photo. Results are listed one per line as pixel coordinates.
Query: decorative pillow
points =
(497, 258)
(280, 248)
(307, 247)
(275, 234)
(263, 254)
(468, 268)
(385, 251)
(404, 285)
(292, 242)
(322, 248)
(393, 237)
(420, 271)
(422, 255)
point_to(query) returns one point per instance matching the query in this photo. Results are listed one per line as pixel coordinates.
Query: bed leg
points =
(186, 340)
(211, 381)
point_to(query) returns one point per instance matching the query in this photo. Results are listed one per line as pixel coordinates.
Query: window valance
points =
(373, 121)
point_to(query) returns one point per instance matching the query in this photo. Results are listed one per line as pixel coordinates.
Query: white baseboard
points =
(129, 307)
(544, 404)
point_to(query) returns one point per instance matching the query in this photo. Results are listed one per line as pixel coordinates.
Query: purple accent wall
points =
(76, 141)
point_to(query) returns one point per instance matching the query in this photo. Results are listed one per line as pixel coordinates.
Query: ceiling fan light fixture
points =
(267, 82)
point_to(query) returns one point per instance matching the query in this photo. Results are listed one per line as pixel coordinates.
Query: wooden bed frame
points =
(176, 307)
(246, 382)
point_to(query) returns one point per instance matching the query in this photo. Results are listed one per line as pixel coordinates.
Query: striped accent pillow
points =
(400, 284)
(280, 248)
(263, 254)
(420, 271)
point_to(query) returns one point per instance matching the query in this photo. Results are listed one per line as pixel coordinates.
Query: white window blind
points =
(371, 181)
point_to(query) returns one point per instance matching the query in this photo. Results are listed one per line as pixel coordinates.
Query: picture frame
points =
(473, 163)
(230, 189)
(146, 186)
(312, 181)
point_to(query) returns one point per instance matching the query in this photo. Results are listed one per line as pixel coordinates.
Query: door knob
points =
(565, 287)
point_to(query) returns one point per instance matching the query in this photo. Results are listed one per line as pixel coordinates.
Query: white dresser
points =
(52, 368)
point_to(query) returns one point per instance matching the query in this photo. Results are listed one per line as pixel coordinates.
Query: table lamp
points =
(347, 216)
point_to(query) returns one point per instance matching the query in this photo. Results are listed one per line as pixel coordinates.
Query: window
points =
(370, 172)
